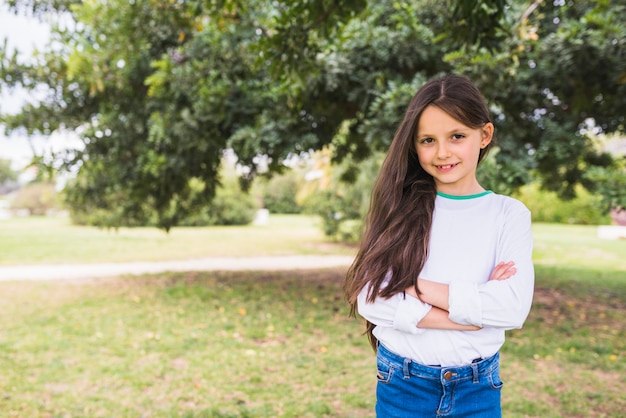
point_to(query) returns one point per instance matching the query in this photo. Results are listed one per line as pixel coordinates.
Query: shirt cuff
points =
(410, 311)
(465, 304)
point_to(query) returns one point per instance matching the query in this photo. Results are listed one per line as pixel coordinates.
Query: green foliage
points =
(279, 193)
(157, 90)
(502, 176)
(231, 206)
(295, 32)
(558, 78)
(343, 205)
(36, 198)
(610, 183)
(478, 22)
(546, 206)
(138, 150)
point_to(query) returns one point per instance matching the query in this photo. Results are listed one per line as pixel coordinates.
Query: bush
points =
(343, 204)
(279, 193)
(610, 184)
(546, 206)
(114, 218)
(36, 198)
(231, 206)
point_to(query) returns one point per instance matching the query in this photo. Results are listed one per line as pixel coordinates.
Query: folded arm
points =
(505, 299)
(437, 318)
(406, 313)
(438, 294)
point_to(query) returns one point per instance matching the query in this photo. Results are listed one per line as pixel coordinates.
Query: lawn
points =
(42, 240)
(280, 344)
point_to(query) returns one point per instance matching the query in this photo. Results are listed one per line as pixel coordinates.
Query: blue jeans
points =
(408, 389)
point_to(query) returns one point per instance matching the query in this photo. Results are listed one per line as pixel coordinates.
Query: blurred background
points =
(167, 144)
(127, 113)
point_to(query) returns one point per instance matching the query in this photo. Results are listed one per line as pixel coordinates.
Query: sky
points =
(24, 34)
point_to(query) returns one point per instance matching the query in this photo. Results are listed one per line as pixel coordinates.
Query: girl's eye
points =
(458, 136)
(426, 141)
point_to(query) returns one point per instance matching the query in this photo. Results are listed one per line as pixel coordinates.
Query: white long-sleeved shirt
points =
(469, 236)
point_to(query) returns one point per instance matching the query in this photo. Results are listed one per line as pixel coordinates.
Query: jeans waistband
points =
(416, 369)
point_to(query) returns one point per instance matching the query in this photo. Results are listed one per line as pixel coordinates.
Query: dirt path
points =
(86, 271)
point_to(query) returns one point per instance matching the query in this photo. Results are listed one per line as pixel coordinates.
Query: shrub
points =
(95, 216)
(343, 204)
(610, 184)
(36, 198)
(585, 209)
(231, 206)
(279, 193)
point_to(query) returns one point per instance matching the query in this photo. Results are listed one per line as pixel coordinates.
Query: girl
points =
(444, 267)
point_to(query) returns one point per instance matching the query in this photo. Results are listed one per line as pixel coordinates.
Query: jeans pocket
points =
(384, 371)
(494, 378)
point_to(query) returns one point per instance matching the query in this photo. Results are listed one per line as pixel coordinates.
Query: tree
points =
(560, 79)
(7, 174)
(157, 90)
(140, 152)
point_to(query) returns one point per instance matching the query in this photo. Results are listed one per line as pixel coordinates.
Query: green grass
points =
(569, 359)
(280, 344)
(577, 246)
(42, 240)
(205, 345)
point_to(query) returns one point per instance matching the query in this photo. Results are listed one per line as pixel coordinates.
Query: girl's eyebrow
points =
(452, 131)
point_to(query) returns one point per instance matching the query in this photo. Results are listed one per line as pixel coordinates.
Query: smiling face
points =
(448, 150)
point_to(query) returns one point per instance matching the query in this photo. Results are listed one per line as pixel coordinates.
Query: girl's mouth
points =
(446, 167)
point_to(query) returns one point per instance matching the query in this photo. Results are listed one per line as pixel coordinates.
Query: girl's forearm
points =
(437, 294)
(433, 293)
(437, 318)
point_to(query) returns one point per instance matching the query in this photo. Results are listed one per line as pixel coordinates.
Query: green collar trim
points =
(466, 197)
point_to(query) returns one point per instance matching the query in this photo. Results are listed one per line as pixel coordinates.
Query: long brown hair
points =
(397, 227)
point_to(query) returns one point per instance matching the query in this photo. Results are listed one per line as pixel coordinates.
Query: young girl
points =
(444, 267)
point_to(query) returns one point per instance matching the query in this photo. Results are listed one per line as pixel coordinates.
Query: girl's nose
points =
(442, 150)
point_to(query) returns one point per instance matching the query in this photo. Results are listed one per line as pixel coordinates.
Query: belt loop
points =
(405, 368)
(475, 375)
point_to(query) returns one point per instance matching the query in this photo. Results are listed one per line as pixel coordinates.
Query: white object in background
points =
(612, 232)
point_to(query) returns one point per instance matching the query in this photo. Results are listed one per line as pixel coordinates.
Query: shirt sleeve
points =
(501, 304)
(400, 312)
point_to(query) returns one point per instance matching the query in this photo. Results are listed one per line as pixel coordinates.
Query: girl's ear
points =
(487, 134)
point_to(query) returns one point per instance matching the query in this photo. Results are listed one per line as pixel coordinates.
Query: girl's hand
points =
(503, 271)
